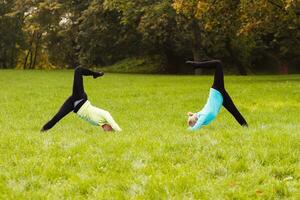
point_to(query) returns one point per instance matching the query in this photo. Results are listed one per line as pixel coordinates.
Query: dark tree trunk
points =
(74, 60)
(241, 68)
(282, 64)
(30, 60)
(29, 51)
(4, 60)
(26, 59)
(172, 61)
(37, 44)
(196, 40)
(234, 58)
(284, 68)
(196, 43)
(12, 56)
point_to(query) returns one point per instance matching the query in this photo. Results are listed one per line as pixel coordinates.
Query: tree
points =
(193, 14)
(12, 37)
(276, 26)
(160, 32)
(214, 26)
(63, 35)
(42, 34)
(103, 38)
(154, 26)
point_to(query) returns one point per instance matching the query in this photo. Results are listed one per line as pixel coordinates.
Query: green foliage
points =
(155, 157)
(103, 38)
(47, 34)
(11, 35)
(276, 26)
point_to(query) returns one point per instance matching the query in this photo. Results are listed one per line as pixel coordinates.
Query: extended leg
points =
(229, 105)
(66, 108)
(78, 89)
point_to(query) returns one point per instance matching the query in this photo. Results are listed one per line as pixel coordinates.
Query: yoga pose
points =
(217, 97)
(79, 104)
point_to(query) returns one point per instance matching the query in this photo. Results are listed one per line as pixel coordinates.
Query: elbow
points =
(106, 113)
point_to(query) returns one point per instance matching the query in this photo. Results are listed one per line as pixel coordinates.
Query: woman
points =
(79, 104)
(217, 97)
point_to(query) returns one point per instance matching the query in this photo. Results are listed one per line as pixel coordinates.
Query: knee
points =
(78, 69)
(219, 63)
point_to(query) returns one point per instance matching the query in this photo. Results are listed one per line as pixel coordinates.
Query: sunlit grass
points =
(155, 157)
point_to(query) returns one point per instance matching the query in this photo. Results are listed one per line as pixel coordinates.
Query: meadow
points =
(155, 157)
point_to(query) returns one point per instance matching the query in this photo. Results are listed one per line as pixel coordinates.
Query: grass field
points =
(155, 157)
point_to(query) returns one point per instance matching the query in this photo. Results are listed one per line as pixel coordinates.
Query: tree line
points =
(66, 33)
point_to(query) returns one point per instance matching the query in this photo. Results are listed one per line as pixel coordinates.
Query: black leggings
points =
(219, 85)
(78, 95)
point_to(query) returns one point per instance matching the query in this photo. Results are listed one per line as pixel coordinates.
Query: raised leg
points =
(78, 88)
(212, 64)
(65, 109)
(218, 83)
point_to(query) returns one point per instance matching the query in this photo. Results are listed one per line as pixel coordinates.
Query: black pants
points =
(219, 85)
(78, 95)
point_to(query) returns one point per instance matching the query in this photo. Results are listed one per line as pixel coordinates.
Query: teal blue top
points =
(210, 110)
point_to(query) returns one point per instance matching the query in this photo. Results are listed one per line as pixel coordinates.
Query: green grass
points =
(155, 157)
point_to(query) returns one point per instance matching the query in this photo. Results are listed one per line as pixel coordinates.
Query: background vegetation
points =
(247, 34)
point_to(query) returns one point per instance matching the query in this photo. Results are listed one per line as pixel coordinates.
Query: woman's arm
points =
(198, 124)
(110, 120)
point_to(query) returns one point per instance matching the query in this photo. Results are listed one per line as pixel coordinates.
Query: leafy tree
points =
(193, 13)
(103, 38)
(63, 39)
(214, 26)
(154, 25)
(11, 35)
(59, 33)
(276, 26)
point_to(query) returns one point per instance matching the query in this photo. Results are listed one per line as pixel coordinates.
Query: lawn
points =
(155, 157)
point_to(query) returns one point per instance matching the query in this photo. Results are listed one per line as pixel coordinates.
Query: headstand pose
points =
(79, 104)
(217, 97)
